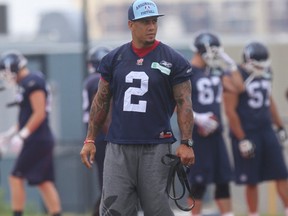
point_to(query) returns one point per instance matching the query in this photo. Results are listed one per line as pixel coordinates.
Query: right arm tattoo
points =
(99, 109)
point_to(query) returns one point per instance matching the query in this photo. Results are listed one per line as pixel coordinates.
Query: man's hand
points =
(16, 143)
(207, 123)
(226, 63)
(4, 141)
(246, 148)
(7, 135)
(4, 144)
(88, 151)
(186, 154)
(282, 135)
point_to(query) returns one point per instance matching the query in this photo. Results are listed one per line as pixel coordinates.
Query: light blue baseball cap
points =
(142, 9)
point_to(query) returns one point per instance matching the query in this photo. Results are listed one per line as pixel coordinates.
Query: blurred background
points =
(56, 35)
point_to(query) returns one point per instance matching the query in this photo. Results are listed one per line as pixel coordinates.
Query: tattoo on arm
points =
(182, 96)
(99, 109)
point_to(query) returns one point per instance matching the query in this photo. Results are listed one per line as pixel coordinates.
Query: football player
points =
(145, 79)
(31, 134)
(252, 113)
(211, 68)
(90, 89)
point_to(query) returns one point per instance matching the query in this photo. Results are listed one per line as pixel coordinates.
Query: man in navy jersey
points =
(90, 88)
(210, 68)
(32, 134)
(146, 79)
(252, 113)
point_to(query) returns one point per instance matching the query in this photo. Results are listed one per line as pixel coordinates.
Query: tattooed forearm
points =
(182, 95)
(99, 109)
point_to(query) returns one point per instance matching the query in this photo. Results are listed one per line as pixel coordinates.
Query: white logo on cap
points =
(145, 4)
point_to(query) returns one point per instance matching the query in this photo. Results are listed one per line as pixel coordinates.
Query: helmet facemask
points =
(8, 76)
(212, 55)
(91, 68)
(257, 68)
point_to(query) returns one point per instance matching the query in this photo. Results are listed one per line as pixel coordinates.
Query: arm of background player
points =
(233, 82)
(38, 103)
(275, 114)
(230, 104)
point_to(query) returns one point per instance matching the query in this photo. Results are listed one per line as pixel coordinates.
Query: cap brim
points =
(145, 17)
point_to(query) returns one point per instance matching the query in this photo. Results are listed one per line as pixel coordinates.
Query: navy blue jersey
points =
(212, 164)
(206, 91)
(268, 162)
(142, 89)
(33, 82)
(254, 103)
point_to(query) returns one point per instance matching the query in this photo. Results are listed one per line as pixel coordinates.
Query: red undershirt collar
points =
(144, 51)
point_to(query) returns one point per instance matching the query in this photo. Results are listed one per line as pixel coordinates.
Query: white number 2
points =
(138, 91)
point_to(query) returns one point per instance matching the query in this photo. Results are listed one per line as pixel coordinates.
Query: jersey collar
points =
(144, 51)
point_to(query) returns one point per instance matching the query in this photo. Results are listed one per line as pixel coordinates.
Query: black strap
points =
(177, 169)
(11, 104)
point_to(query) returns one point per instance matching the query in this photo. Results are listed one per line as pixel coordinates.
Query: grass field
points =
(5, 211)
(30, 211)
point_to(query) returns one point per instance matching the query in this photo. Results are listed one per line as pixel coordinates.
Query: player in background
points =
(211, 74)
(252, 116)
(31, 134)
(145, 79)
(90, 88)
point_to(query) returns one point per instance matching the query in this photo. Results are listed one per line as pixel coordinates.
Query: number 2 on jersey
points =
(128, 106)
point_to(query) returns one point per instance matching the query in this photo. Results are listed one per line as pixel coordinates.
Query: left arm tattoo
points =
(182, 95)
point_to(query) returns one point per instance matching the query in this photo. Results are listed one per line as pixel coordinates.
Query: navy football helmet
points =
(10, 64)
(95, 56)
(256, 58)
(208, 46)
(12, 61)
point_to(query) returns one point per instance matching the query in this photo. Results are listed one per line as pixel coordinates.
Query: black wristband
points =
(188, 142)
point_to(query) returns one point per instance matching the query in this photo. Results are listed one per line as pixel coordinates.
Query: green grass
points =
(30, 210)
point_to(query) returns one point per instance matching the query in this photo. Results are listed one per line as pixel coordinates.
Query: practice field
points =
(177, 213)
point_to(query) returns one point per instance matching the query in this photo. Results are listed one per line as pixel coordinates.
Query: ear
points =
(130, 24)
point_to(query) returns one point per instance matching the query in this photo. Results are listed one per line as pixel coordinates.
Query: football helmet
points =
(208, 46)
(95, 56)
(256, 58)
(10, 64)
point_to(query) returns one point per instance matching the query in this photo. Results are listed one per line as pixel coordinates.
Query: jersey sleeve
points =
(34, 85)
(182, 69)
(105, 68)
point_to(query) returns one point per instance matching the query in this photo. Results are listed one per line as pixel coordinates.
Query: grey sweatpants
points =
(133, 174)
